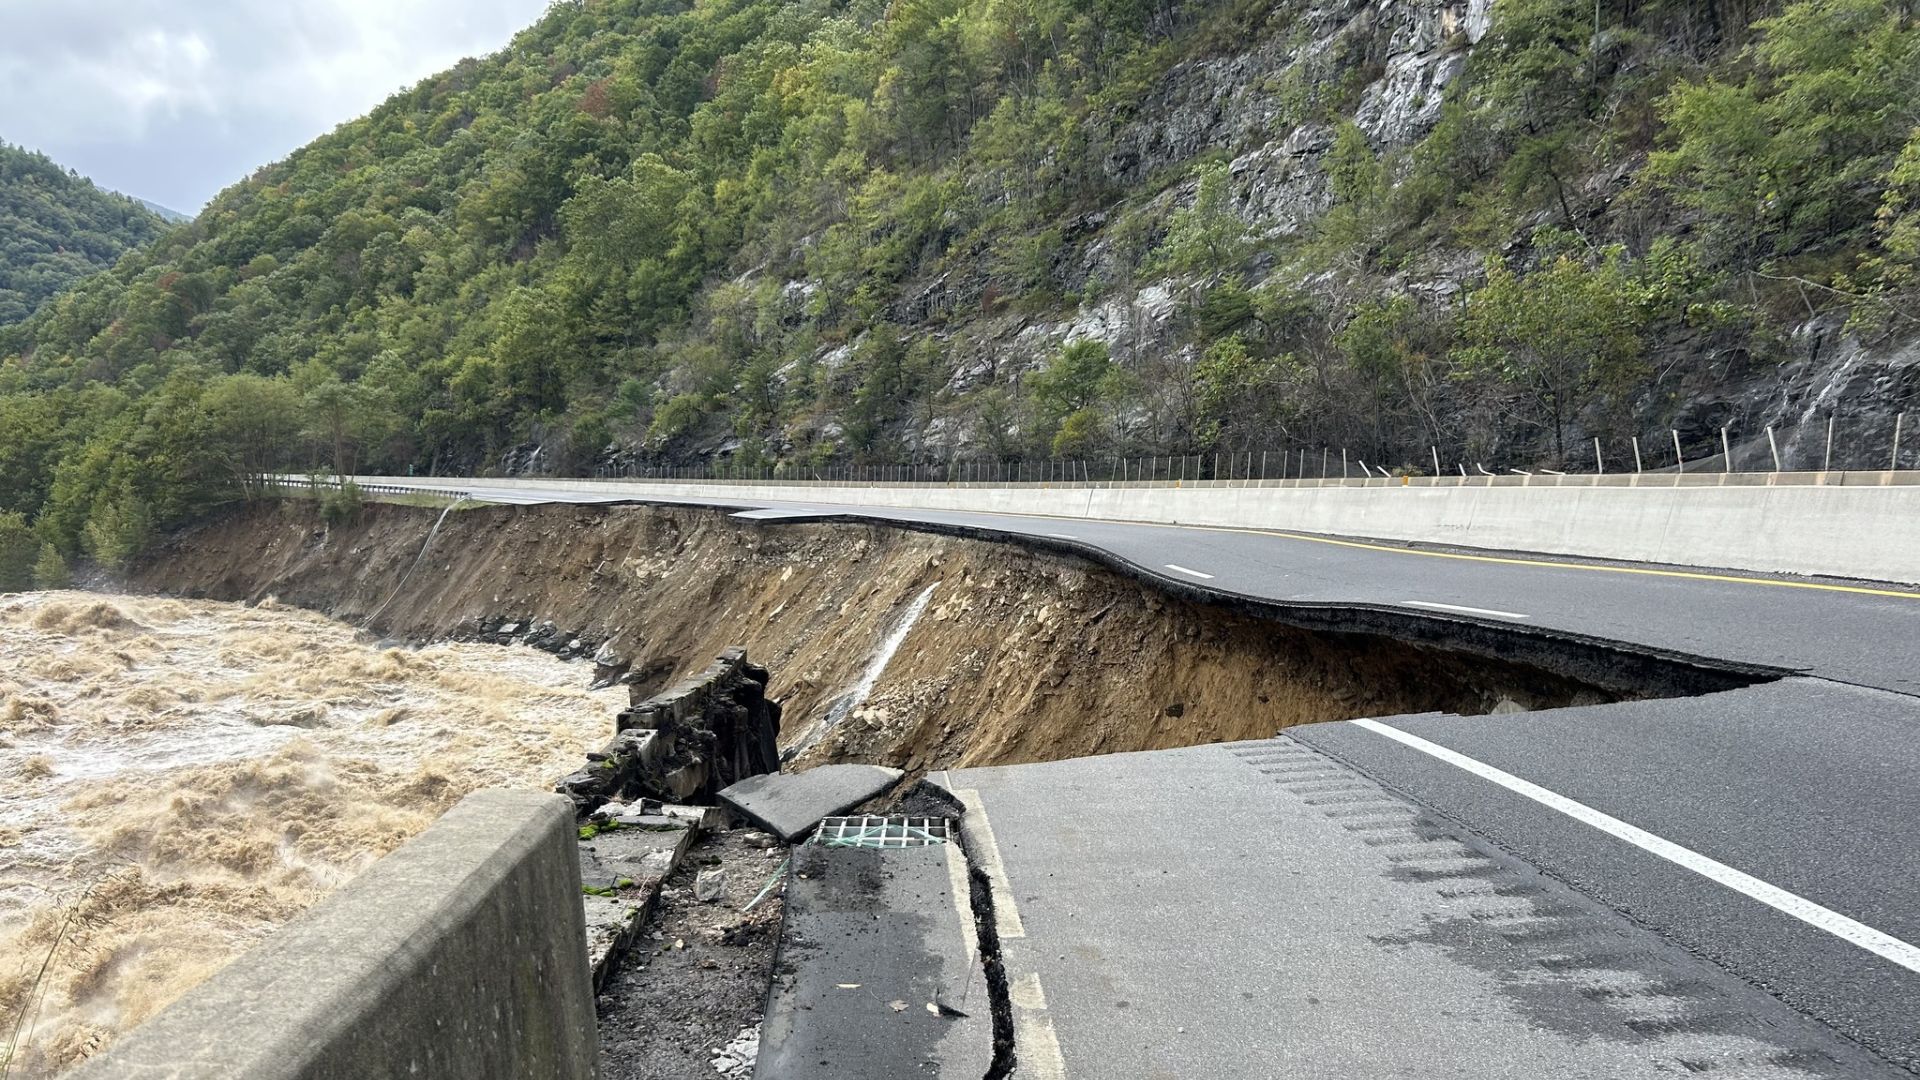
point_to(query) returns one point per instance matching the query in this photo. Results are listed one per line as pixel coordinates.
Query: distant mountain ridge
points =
(166, 213)
(57, 227)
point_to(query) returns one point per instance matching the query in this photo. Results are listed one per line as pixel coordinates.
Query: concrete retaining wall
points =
(1826, 527)
(460, 955)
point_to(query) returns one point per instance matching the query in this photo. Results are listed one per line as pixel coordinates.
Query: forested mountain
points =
(759, 231)
(56, 228)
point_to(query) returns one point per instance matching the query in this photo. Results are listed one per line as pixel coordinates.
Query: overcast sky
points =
(172, 100)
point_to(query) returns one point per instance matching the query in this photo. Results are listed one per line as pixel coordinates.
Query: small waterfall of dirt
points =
(417, 560)
(844, 705)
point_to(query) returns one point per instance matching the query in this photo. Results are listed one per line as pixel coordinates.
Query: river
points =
(177, 778)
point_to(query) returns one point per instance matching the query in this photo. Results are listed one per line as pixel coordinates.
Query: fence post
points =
(1599, 463)
(1263, 464)
(1898, 422)
(1774, 446)
(1679, 462)
(1343, 463)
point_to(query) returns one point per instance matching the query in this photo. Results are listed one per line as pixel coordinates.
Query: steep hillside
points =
(56, 228)
(748, 231)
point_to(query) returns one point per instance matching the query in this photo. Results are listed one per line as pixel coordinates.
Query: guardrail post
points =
(1726, 451)
(1636, 454)
(1826, 463)
(1436, 459)
(1898, 422)
(1773, 445)
(1599, 463)
(1679, 462)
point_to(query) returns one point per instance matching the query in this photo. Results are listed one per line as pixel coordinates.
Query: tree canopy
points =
(56, 228)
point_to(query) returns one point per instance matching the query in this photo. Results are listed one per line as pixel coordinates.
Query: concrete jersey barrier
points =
(1869, 532)
(460, 955)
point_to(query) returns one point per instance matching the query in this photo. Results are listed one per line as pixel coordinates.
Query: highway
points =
(1722, 883)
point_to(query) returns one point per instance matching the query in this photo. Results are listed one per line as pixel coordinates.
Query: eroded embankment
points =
(177, 778)
(1017, 656)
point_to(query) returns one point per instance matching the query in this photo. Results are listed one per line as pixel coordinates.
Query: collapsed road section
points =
(1003, 676)
(1011, 655)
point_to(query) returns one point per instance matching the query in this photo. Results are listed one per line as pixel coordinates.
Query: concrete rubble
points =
(791, 805)
(688, 742)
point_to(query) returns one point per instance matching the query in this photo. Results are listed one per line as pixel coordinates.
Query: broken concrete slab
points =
(884, 977)
(621, 870)
(612, 924)
(631, 854)
(790, 805)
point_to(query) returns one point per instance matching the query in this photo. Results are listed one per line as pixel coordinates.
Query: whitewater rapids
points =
(177, 778)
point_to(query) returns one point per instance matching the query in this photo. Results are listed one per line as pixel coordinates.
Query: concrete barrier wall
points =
(1869, 532)
(460, 955)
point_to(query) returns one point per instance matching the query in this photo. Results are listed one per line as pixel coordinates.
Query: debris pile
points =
(687, 743)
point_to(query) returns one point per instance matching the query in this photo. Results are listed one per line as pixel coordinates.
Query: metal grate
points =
(880, 831)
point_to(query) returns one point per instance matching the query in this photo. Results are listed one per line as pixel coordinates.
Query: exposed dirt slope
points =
(1018, 656)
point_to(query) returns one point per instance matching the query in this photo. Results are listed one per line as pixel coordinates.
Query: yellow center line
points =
(1394, 549)
(1505, 560)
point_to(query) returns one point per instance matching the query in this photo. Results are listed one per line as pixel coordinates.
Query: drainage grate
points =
(876, 831)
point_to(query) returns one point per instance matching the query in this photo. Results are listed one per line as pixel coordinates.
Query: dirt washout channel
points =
(1010, 656)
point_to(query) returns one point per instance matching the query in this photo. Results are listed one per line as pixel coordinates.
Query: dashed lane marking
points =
(1432, 606)
(1038, 1043)
(1883, 945)
(1183, 570)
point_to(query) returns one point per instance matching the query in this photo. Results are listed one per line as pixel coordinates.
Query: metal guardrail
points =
(298, 484)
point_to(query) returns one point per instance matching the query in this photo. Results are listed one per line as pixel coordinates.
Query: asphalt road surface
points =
(1725, 884)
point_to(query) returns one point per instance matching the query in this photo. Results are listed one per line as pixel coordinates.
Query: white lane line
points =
(1063, 536)
(1184, 570)
(1027, 993)
(963, 902)
(1006, 916)
(1885, 946)
(1465, 610)
(1033, 1032)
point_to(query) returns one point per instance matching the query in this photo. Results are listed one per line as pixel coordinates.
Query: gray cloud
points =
(172, 100)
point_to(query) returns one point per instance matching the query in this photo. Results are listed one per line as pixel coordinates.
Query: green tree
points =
(1070, 394)
(17, 547)
(1798, 152)
(255, 421)
(50, 569)
(1554, 339)
(119, 527)
(1241, 396)
(1207, 237)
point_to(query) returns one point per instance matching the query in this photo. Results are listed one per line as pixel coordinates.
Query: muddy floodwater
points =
(178, 778)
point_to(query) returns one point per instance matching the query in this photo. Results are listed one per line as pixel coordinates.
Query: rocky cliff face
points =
(1261, 106)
